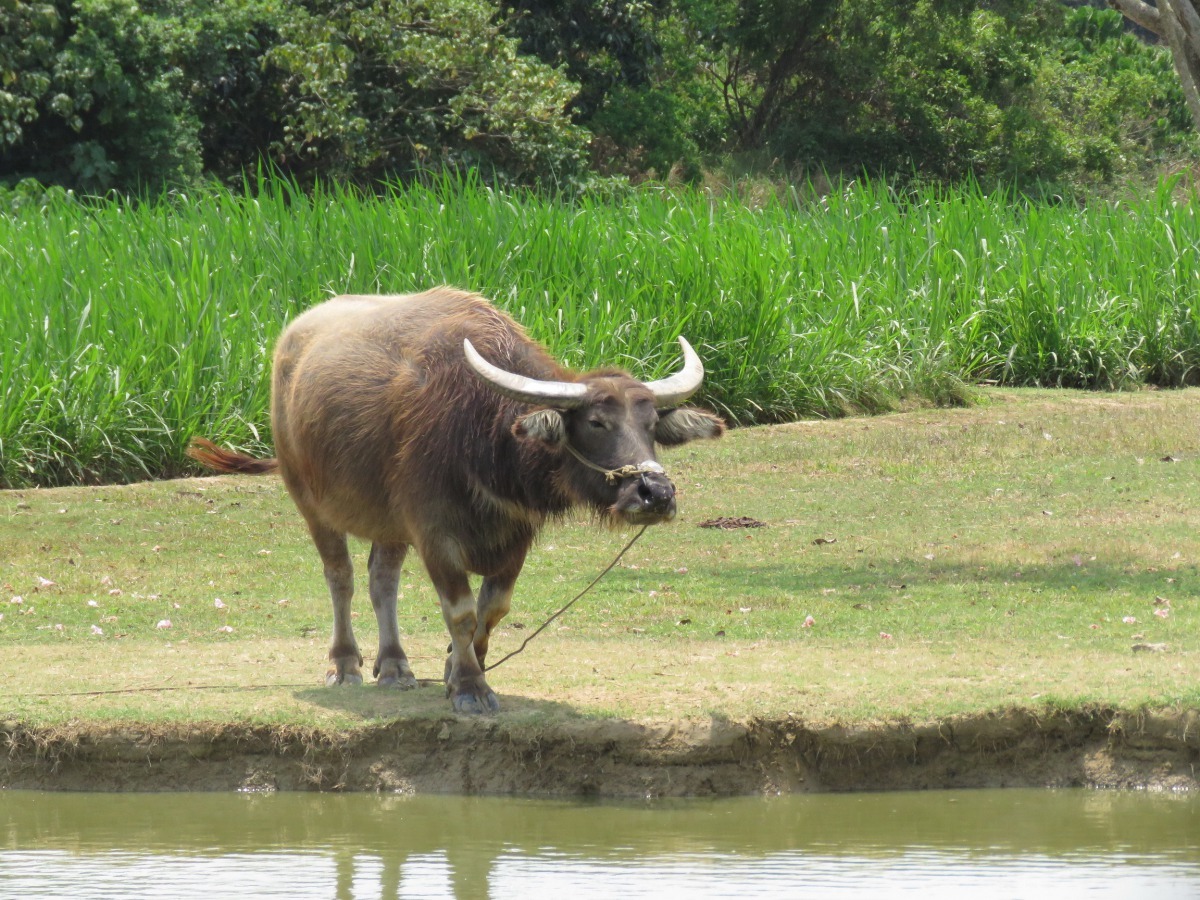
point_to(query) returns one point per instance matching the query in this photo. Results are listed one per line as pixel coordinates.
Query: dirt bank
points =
(607, 758)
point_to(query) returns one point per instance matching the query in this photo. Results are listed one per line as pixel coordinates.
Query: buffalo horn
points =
(673, 390)
(562, 394)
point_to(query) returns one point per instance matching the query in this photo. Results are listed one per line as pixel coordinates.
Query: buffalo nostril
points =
(656, 493)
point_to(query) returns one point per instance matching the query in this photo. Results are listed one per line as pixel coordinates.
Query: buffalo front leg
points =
(339, 575)
(495, 599)
(465, 685)
(391, 663)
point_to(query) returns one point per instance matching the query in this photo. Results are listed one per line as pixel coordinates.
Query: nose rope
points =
(612, 476)
(571, 602)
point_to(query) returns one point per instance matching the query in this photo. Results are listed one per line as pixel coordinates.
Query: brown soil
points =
(612, 758)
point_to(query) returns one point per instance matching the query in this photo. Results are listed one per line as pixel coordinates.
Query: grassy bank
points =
(124, 331)
(1037, 551)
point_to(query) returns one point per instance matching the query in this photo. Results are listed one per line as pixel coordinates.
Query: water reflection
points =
(988, 843)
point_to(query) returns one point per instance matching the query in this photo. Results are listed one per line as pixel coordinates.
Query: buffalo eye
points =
(596, 423)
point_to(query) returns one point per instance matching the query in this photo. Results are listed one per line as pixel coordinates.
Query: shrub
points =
(373, 89)
(98, 101)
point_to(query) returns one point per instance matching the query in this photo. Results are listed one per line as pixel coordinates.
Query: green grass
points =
(981, 558)
(125, 330)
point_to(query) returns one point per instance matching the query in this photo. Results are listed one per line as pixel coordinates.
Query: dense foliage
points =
(121, 94)
(129, 328)
(127, 95)
(1020, 92)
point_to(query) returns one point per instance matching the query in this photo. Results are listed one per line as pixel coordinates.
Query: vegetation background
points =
(848, 206)
(1043, 96)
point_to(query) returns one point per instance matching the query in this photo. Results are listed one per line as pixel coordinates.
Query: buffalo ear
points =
(545, 425)
(678, 426)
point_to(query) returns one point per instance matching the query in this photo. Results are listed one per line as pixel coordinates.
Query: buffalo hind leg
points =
(339, 575)
(391, 664)
(465, 685)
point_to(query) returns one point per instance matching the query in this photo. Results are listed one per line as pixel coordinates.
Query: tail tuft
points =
(219, 459)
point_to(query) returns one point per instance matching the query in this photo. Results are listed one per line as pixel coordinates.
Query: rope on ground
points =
(161, 689)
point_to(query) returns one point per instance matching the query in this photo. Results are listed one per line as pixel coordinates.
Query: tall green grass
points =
(125, 330)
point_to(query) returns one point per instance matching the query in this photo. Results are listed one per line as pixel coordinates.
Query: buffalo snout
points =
(646, 499)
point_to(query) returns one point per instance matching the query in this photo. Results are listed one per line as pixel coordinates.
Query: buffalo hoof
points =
(405, 681)
(469, 704)
(345, 668)
(395, 674)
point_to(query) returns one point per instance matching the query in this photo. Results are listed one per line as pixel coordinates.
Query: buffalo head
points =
(606, 424)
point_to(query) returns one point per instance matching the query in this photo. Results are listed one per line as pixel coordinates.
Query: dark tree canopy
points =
(100, 95)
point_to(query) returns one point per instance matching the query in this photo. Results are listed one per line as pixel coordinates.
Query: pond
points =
(996, 843)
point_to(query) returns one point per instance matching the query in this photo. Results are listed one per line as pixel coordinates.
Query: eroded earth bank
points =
(613, 758)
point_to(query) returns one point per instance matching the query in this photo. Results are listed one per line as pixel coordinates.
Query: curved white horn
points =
(673, 390)
(563, 394)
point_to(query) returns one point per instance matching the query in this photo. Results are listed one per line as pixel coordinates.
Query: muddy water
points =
(1010, 844)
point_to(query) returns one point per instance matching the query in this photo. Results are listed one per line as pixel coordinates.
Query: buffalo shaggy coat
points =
(432, 421)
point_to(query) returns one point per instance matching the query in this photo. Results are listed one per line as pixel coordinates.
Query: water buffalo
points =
(432, 421)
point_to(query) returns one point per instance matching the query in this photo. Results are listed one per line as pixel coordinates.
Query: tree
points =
(130, 95)
(601, 46)
(91, 96)
(1026, 93)
(935, 88)
(372, 89)
(1178, 23)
